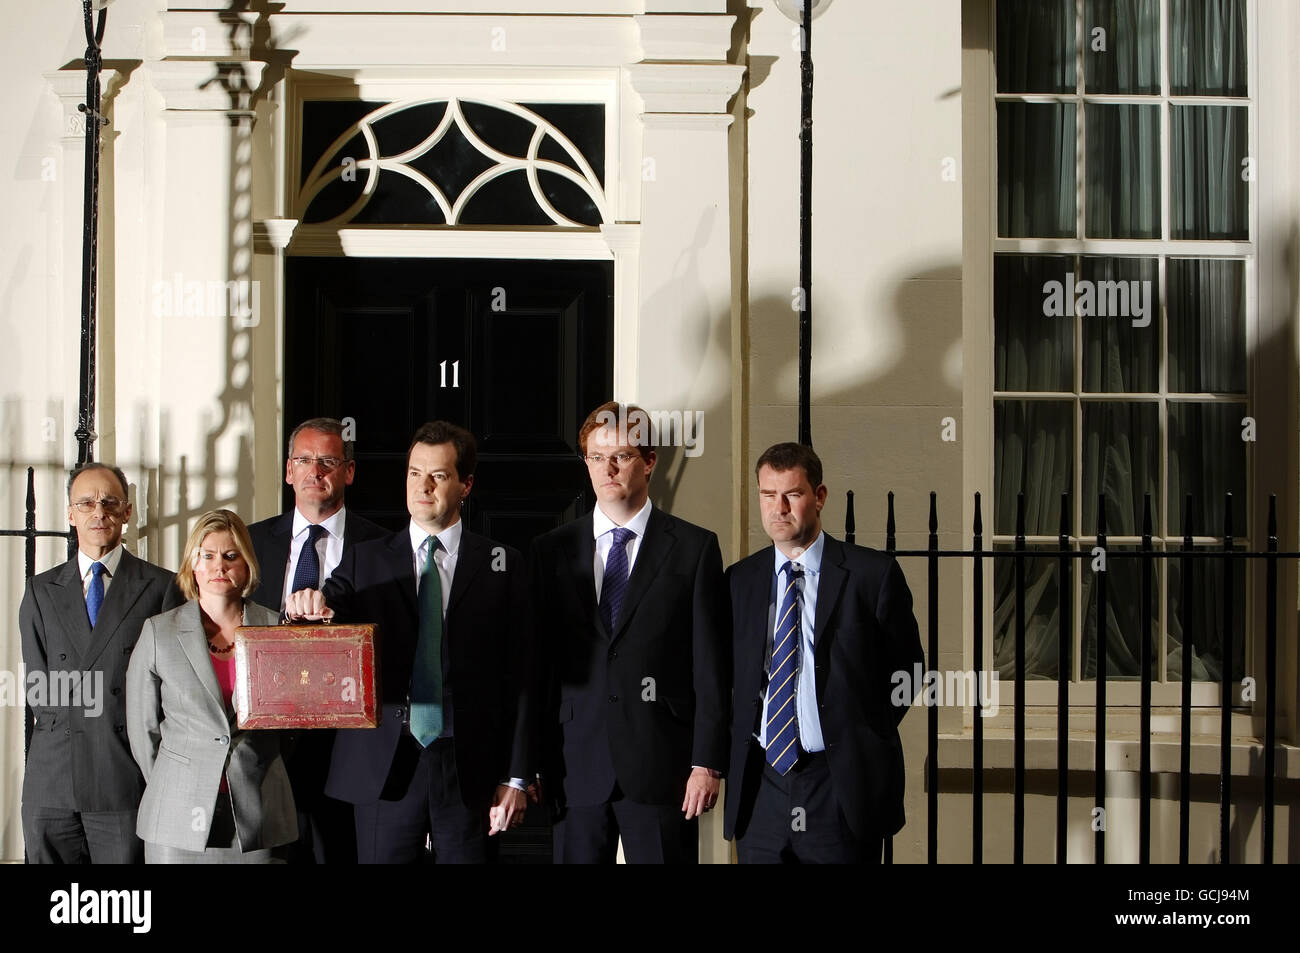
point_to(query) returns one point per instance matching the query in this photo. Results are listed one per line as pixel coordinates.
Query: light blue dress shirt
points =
(805, 693)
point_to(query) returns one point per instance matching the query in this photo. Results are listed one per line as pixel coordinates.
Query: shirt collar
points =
(110, 561)
(449, 537)
(602, 524)
(333, 525)
(810, 559)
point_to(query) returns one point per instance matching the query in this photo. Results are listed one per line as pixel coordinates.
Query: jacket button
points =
(613, 698)
(126, 651)
(117, 691)
(67, 731)
(224, 739)
(399, 713)
(613, 654)
(62, 656)
(119, 728)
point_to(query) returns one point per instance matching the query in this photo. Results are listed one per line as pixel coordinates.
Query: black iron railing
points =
(30, 534)
(1224, 555)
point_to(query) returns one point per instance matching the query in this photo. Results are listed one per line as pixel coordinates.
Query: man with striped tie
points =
(631, 610)
(79, 622)
(819, 627)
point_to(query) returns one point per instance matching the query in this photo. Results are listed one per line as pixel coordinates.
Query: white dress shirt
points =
(329, 548)
(602, 527)
(111, 560)
(444, 558)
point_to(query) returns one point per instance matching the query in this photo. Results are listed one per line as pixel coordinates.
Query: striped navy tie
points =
(614, 583)
(782, 726)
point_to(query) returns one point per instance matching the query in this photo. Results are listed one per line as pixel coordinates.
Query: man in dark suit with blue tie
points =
(79, 622)
(632, 612)
(819, 628)
(451, 755)
(299, 550)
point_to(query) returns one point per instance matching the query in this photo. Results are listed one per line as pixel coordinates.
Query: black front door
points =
(517, 352)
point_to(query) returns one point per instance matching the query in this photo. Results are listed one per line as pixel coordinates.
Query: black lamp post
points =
(94, 12)
(804, 12)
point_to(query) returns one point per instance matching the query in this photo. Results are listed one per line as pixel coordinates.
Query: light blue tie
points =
(95, 594)
(782, 726)
(426, 679)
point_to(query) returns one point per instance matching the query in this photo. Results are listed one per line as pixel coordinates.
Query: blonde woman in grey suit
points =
(213, 794)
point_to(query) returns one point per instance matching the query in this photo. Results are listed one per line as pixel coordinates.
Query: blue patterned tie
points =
(426, 679)
(782, 752)
(307, 573)
(95, 594)
(614, 584)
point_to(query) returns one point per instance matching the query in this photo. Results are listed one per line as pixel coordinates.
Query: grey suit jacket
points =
(79, 758)
(183, 740)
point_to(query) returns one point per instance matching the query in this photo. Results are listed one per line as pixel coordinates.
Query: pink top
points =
(224, 669)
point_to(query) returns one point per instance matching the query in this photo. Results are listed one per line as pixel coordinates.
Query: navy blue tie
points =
(614, 584)
(307, 573)
(95, 594)
(782, 726)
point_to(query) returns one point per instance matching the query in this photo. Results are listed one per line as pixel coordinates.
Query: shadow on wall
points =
(906, 356)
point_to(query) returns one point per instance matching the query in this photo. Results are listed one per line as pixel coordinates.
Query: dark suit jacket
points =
(604, 721)
(272, 538)
(488, 648)
(77, 762)
(864, 632)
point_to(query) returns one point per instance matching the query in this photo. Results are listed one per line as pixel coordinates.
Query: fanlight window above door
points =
(452, 161)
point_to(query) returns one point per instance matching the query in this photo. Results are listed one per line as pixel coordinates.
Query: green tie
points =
(426, 680)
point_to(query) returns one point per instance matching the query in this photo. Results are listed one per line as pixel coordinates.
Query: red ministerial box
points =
(306, 676)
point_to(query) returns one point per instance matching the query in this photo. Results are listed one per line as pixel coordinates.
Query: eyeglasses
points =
(111, 506)
(622, 458)
(305, 463)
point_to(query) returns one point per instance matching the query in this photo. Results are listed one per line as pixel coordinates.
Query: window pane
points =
(1035, 453)
(1042, 616)
(1036, 180)
(1032, 348)
(1207, 325)
(1035, 46)
(1121, 454)
(1207, 458)
(1208, 150)
(1124, 56)
(1123, 174)
(1123, 615)
(1207, 47)
(1205, 619)
(1120, 303)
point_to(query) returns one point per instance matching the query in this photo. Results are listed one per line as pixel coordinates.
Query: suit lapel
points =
(580, 551)
(127, 587)
(277, 564)
(755, 600)
(194, 643)
(830, 588)
(468, 563)
(70, 602)
(402, 568)
(652, 555)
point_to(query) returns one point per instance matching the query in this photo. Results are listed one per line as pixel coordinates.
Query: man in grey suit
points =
(79, 622)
